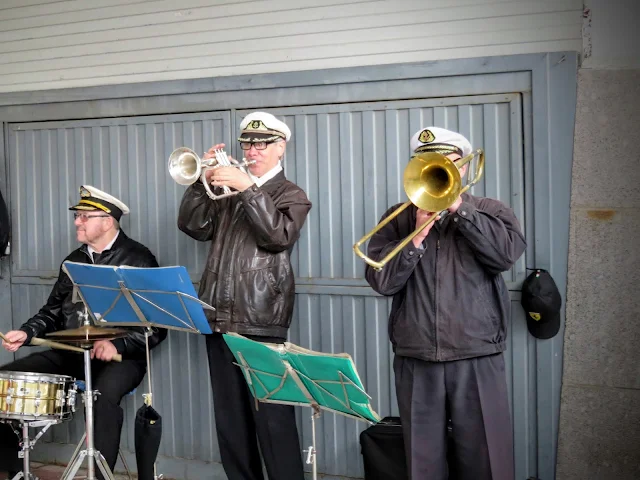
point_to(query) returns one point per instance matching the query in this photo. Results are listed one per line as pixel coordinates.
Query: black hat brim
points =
(544, 329)
(260, 137)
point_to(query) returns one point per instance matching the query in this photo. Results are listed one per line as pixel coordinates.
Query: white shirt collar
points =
(259, 181)
(109, 245)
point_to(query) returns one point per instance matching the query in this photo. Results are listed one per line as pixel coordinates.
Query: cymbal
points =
(87, 333)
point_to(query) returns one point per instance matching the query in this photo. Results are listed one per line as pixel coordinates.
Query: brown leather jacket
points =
(248, 277)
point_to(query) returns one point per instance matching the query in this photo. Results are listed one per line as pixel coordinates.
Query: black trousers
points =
(238, 423)
(113, 380)
(473, 394)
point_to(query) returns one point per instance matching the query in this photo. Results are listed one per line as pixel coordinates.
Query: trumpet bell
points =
(432, 181)
(185, 167)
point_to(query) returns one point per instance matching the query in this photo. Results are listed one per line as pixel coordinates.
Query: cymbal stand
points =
(92, 455)
(26, 444)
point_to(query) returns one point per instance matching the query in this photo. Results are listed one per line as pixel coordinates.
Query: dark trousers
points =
(113, 380)
(238, 423)
(473, 393)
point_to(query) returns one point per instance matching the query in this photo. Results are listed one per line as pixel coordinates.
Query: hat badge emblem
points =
(256, 124)
(426, 136)
(535, 316)
(84, 192)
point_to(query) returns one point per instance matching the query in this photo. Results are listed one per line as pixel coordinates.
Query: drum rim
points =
(29, 417)
(35, 377)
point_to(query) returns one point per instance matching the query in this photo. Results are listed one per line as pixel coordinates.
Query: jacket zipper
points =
(234, 219)
(435, 303)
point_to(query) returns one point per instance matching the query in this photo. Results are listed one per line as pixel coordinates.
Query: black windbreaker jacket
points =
(60, 313)
(450, 301)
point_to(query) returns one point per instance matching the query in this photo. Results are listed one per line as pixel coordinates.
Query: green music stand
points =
(292, 375)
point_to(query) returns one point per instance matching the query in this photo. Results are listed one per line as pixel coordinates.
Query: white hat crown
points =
(92, 198)
(263, 122)
(440, 136)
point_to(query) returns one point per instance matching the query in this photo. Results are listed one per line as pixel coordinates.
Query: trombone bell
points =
(433, 183)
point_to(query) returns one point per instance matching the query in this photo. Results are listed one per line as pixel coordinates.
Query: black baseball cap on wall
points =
(542, 302)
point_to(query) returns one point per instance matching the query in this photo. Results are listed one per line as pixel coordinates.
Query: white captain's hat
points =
(92, 198)
(440, 140)
(263, 127)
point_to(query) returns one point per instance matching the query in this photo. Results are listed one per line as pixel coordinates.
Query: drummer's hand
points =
(103, 350)
(16, 339)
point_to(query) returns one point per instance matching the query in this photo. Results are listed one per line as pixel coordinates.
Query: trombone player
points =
(448, 326)
(248, 278)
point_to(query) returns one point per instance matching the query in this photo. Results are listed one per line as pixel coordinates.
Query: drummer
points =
(96, 218)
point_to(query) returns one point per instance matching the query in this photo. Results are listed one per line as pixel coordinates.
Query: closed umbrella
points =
(147, 436)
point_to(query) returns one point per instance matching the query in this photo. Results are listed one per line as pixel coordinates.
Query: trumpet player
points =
(448, 326)
(249, 280)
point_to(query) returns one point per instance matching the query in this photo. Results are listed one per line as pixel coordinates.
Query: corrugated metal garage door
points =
(349, 159)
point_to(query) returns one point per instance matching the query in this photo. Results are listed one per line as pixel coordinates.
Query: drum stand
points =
(92, 455)
(26, 444)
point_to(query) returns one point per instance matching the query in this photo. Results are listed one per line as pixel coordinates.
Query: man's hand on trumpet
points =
(13, 340)
(231, 177)
(211, 153)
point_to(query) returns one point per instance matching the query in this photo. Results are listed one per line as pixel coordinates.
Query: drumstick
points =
(38, 342)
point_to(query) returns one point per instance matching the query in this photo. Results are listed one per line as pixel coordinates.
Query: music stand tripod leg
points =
(312, 452)
(102, 466)
(74, 457)
(93, 456)
(149, 398)
(73, 468)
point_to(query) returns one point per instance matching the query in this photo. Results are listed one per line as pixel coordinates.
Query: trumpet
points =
(433, 183)
(186, 167)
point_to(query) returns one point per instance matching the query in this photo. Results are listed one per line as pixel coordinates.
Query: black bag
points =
(5, 226)
(382, 447)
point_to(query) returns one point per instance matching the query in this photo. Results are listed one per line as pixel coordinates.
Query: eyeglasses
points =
(256, 145)
(84, 217)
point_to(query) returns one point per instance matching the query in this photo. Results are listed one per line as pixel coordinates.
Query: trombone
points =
(433, 183)
(186, 167)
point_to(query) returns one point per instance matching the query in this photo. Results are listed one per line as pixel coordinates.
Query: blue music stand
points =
(131, 296)
(123, 296)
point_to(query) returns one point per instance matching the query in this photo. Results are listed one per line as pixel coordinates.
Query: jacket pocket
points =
(207, 289)
(393, 320)
(263, 293)
(209, 282)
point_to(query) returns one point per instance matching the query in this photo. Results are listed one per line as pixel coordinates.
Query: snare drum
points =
(36, 396)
